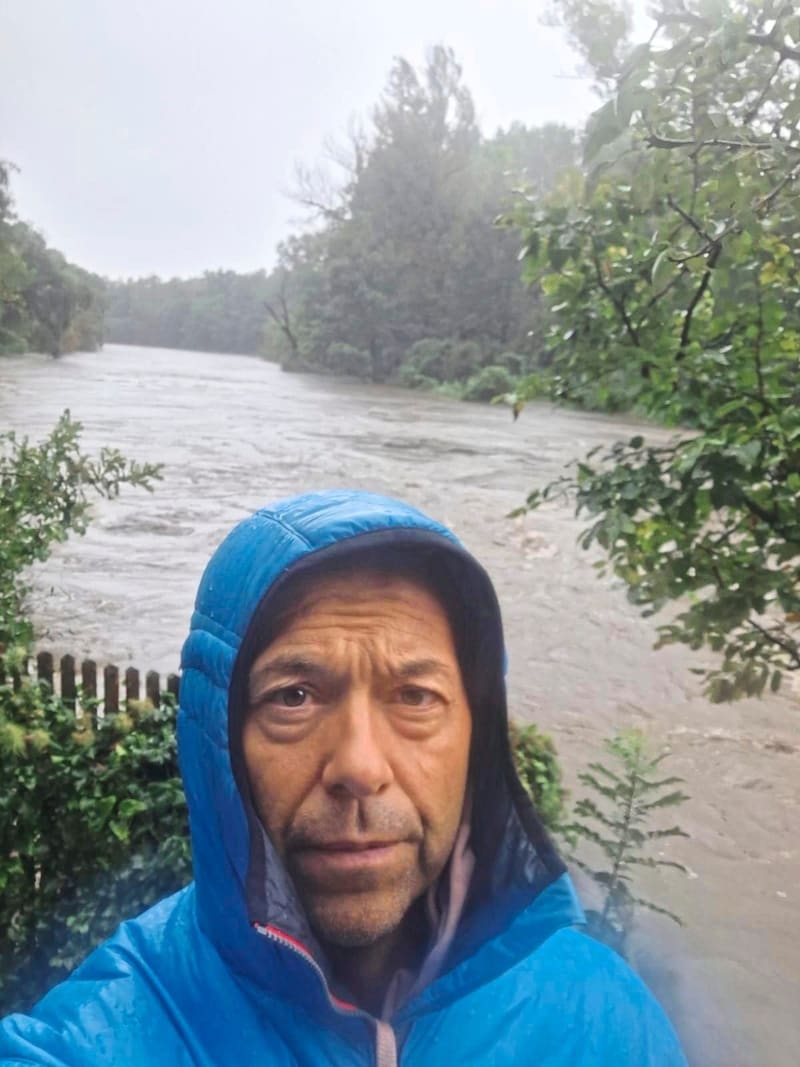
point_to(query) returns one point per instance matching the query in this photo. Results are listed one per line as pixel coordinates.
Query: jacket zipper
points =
(385, 1040)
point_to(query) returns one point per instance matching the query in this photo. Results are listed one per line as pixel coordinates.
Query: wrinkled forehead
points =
(352, 601)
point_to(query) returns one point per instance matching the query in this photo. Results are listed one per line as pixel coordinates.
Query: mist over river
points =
(235, 432)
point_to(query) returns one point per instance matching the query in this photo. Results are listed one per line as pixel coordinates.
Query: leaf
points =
(602, 128)
(119, 830)
(658, 910)
(662, 271)
(129, 808)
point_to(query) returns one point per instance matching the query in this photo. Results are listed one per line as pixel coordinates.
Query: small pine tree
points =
(619, 824)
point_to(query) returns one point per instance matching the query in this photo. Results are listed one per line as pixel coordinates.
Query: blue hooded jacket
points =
(227, 971)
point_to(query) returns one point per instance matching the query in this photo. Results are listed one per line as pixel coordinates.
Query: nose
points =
(357, 763)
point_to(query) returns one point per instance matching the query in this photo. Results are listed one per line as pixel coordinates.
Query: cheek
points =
(434, 775)
(279, 775)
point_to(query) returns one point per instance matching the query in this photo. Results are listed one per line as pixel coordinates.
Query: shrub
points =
(488, 383)
(618, 821)
(93, 829)
(92, 815)
(512, 362)
(539, 770)
(410, 378)
(342, 358)
(443, 360)
(44, 496)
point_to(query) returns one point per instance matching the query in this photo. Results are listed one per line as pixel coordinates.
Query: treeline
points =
(46, 304)
(402, 274)
(220, 312)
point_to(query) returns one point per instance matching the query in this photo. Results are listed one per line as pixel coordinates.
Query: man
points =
(371, 884)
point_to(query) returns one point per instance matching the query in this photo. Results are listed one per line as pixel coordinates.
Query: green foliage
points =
(92, 819)
(617, 821)
(404, 248)
(670, 273)
(44, 496)
(406, 257)
(539, 770)
(93, 829)
(488, 383)
(439, 360)
(342, 358)
(46, 304)
(220, 312)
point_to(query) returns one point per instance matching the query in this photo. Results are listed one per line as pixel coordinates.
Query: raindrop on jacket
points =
(227, 971)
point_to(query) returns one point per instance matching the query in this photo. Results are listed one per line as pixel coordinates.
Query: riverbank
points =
(234, 432)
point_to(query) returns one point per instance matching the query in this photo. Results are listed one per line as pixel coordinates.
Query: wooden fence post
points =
(89, 679)
(152, 688)
(68, 680)
(44, 668)
(111, 690)
(131, 684)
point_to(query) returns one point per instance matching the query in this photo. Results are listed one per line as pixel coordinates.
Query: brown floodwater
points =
(234, 433)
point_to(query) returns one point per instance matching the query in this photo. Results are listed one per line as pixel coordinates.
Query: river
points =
(234, 432)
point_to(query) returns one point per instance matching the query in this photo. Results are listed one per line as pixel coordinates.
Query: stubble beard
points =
(367, 905)
(360, 919)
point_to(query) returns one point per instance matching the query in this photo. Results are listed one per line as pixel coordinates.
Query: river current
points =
(235, 432)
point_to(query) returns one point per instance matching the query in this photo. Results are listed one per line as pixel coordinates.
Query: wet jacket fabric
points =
(227, 971)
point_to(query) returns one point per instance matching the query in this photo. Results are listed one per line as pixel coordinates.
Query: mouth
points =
(330, 856)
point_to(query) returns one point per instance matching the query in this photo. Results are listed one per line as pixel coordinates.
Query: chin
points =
(356, 923)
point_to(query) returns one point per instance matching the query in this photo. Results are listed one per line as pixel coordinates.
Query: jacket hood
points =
(519, 893)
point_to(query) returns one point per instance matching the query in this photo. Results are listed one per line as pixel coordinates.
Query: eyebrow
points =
(314, 671)
(417, 668)
(289, 665)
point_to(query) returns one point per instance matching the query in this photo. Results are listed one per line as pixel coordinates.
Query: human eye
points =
(417, 696)
(288, 696)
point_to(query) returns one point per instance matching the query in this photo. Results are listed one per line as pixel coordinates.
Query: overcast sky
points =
(160, 136)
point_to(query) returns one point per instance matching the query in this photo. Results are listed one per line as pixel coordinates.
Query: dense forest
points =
(221, 312)
(46, 304)
(402, 272)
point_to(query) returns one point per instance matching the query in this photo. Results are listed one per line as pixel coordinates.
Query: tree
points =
(46, 303)
(670, 272)
(406, 249)
(402, 246)
(222, 311)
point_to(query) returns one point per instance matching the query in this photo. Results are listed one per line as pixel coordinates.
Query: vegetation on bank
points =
(222, 311)
(92, 816)
(46, 304)
(671, 274)
(401, 274)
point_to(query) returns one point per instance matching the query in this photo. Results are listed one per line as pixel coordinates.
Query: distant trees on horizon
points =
(402, 272)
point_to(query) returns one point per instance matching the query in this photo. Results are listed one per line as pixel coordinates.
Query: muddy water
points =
(234, 433)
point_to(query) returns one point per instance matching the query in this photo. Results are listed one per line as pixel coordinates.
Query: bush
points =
(620, 822)
(443, 360)
(488, 383)
(512, 362)
(410, 378)
(44, 496)
(92, 815)
(93, 829)
(342, 358)
(539, 770)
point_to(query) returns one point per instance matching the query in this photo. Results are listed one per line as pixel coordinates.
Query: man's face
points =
(356, 744)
